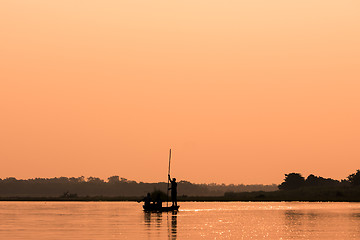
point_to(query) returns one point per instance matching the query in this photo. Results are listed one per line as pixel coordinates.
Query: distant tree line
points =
(294, 181)
(114, 186)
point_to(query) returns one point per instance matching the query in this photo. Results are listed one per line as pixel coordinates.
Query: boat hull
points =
(154, 208)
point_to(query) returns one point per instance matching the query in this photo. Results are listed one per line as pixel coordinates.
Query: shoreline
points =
(215, 199)
(316, 194)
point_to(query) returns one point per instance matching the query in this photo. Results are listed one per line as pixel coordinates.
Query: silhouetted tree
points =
(114, 179)
(123, 180)
(292, 181)
(354, 178)
(313, 180)
(77, 180)
(10, 179)
(94, 180)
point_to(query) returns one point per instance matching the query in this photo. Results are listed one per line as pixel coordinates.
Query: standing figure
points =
(173, 190)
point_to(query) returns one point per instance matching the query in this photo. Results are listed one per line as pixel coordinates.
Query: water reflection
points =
(160, 220)
(355, 218)
(327, 221)
(152, 219)
(293, 218)
(173, 234)
(196, 220)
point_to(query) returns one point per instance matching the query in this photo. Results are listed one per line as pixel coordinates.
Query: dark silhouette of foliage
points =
(314, 188)
(313, 180)
(115, 186)
(292, 181)
(95, 180)
(295, 180)
(354, 178)
(114, 179)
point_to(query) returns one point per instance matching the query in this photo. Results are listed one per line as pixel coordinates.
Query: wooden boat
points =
(159, 208)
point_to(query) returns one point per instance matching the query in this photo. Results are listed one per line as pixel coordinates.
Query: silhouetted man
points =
(173, 191)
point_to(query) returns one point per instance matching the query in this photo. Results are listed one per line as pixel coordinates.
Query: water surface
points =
(196, 220)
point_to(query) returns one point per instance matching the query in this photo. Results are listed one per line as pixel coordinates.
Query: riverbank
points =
(315, 194)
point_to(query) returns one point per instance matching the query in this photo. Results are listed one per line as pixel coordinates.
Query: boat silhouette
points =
(157, 206)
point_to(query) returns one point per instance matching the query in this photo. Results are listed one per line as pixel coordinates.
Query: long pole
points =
(167, 192)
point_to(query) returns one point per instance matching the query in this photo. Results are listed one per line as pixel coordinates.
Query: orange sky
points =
(243, 91)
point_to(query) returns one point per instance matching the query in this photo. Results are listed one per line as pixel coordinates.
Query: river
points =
(195, 220)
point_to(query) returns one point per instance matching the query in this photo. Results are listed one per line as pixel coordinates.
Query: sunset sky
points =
(242, 91)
